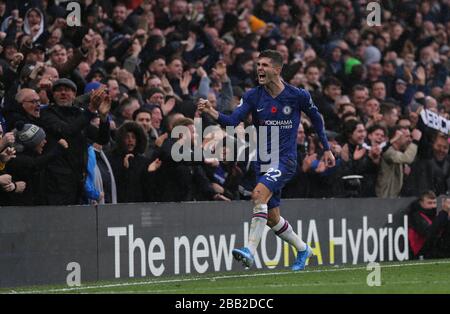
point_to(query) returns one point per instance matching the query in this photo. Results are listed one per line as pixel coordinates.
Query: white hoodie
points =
(26, 24)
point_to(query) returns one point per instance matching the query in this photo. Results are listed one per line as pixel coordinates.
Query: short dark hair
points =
(311, 65)
(375, 127)
(349, 114)
(386, 107)
(439, 135)
(350, 127)
(404, 117)
(358, 87)
(141, 110)
(377, 82)
(331, 81)
(126, 102)
(275, 56)
(120, 3)
(151, 91)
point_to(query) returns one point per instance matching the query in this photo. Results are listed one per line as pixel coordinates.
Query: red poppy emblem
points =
(274, 109)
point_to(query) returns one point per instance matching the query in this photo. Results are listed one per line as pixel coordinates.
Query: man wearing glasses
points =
(28, 108)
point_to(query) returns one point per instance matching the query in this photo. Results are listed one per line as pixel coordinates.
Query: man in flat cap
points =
(66, 174)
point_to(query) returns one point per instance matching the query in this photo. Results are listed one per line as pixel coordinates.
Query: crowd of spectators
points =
(87, 112)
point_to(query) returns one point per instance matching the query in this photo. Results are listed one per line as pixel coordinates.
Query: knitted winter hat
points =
(371, 55)
(29, 135)
(91, 86)
(256, 24)
(349, 64)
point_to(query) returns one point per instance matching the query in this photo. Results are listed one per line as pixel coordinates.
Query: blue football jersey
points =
(282, 112)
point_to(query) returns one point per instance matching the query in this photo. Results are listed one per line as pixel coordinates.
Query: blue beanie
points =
(91, 86)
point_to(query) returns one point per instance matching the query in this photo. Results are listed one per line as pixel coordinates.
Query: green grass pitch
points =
(430, 276)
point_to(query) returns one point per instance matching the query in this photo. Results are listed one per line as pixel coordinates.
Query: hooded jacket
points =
(27, 27)
(135, 183)
(11, 31)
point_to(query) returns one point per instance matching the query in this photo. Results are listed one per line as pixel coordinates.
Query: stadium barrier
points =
(44, 245)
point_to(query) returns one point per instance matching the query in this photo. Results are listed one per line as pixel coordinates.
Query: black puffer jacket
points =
(66, 173)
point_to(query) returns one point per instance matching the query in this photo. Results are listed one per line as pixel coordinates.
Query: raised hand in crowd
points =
(160, 140)
(105, 106)
(201, 72)
(167, 88)
(168, 106)
(16, 60)
(88, 42)
(35, 30)
(186, 79)
(375, 153)
(359, 152)
(220, 70)
(416, 134)
(8, 139)
(59, 23)
(155, 165)
(63, 143)
(126, 160)
(96, 99)
(38, 67)
(7, 154)
(398, 134)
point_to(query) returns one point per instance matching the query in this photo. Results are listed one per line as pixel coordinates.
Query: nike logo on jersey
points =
(260, 109)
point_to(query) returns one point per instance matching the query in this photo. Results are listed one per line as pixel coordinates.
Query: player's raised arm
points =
(238, 115)
(308, 106)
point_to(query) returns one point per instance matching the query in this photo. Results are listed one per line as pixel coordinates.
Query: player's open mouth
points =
(261, 76)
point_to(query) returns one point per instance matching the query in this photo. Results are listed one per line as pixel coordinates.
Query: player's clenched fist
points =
(203, 105)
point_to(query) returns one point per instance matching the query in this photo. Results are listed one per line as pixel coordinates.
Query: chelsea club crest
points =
(287, 110)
